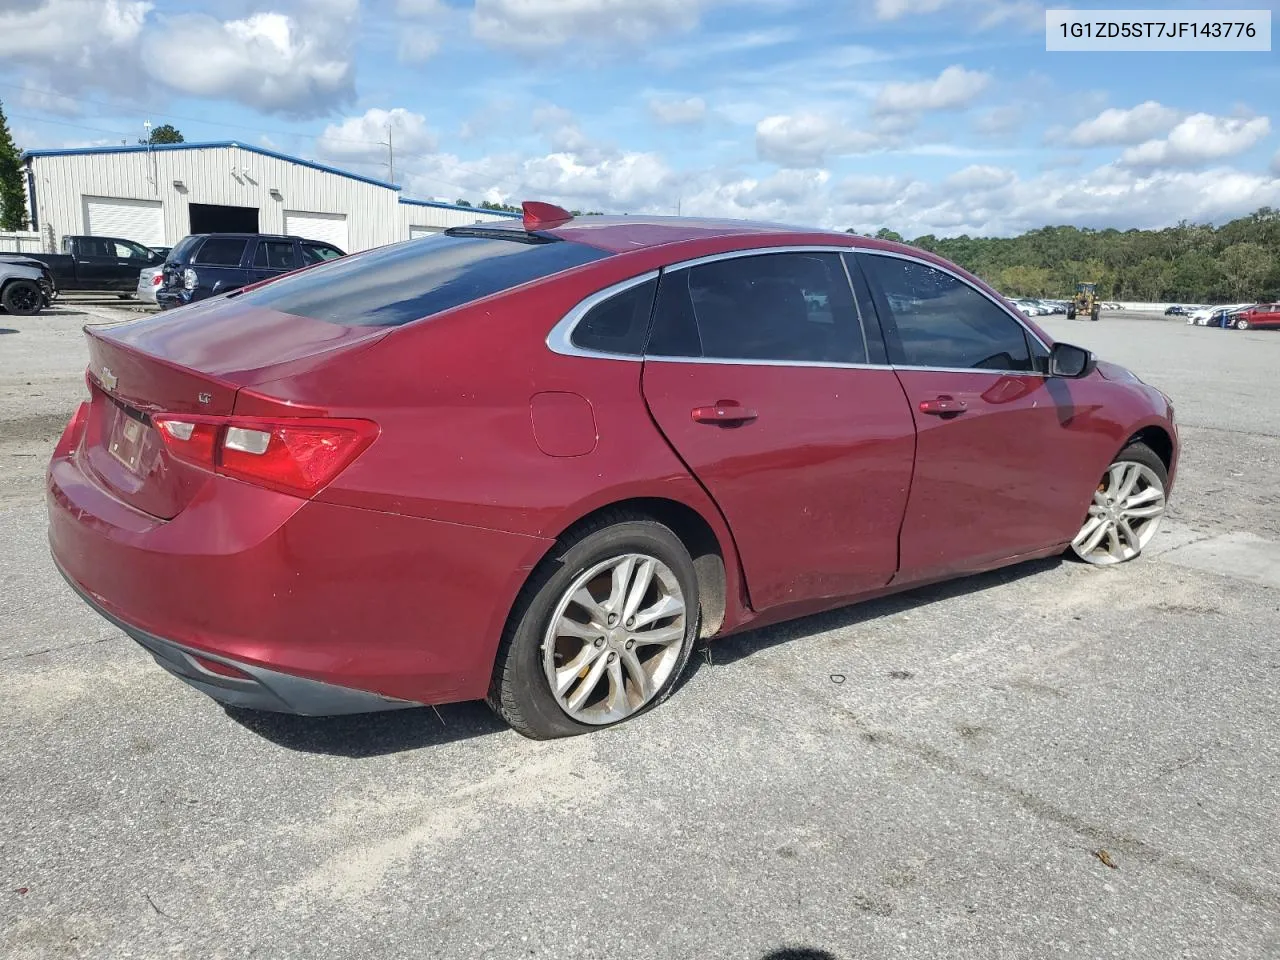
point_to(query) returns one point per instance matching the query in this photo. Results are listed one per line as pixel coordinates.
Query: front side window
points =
(221, 252)
(795, 307)
(619, 324)
(319, 252)
(943, 322)
(125, 250)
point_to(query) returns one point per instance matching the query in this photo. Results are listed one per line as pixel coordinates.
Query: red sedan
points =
(535, 462)
(1260, 316)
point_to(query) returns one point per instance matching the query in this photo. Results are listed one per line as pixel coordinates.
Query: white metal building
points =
(156, 195)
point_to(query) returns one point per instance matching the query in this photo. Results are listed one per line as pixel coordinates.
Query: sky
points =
(923, 116)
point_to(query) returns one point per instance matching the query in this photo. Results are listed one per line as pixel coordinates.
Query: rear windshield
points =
(180, 253)
(407, 281)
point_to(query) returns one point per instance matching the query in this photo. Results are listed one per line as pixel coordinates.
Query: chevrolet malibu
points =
(537, 461)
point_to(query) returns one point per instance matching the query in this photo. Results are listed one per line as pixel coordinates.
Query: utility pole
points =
(391, 157)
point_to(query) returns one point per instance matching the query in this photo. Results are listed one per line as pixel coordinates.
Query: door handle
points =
(943, 406)
(726, 412)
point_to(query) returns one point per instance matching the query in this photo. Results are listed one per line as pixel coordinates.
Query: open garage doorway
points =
(214, 218)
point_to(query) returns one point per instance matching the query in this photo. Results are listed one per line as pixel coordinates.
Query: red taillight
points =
(299, 456)
(157, 280)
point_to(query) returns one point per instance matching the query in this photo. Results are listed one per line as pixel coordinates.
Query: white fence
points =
(24, 242)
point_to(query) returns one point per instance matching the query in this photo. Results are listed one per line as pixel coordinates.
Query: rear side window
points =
(221, 252)
(943, 322)
(619, 324)
(784, 307)
(274, 255)
(393, 285)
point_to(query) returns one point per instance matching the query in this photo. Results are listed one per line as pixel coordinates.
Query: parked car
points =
(1175, 310)
(438, 470)
(26, 288)
(149, 281)
(1260, 315)
(205, 265)
(161, 252)
(97, 263)
(1223, 316)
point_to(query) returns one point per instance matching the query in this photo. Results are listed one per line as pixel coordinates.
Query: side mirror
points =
(1070, 361)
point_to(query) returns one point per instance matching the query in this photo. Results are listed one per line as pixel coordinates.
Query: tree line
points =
(1188, 263)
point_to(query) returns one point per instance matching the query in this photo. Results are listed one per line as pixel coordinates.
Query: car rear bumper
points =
(257, 688)
(325, 608)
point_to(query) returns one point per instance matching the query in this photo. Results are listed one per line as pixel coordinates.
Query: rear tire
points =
(1093, 314)
(22, 298)
(1127, 508)
(1071, 313)
(613, 656)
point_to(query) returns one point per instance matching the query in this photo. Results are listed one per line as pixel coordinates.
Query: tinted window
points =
(183, 250)
(94, 247)
(319, 252)
(619, 324)
(784, 306)
(221, 252)
(942, 322)
(406, 281)
(131, 251)
(274, 255)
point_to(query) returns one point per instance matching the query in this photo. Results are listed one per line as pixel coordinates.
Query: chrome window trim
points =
(1004, 307)
(747, 362)
(560, 339)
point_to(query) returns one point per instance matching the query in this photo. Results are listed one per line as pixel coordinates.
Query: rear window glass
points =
(183, 250)
(221, 252)
(407, 281)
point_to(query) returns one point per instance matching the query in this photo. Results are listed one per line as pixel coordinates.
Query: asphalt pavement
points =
(1048, 761)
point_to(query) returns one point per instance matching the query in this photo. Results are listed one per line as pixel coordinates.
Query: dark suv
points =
(206, 264)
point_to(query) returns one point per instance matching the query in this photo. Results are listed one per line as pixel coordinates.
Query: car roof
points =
(621, 234)
(250, 236)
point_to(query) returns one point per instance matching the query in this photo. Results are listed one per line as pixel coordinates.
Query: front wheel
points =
(1242, 323)
(22, 298)
(600, 633)
(1127, 507)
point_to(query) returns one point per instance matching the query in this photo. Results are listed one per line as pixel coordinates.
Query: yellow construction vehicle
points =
(1085, 303)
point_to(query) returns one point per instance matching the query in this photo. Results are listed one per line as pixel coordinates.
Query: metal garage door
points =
(326, 227)
(141, 221)
(416, 231)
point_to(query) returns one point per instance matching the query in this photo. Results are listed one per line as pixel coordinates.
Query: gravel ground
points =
(1049, 761)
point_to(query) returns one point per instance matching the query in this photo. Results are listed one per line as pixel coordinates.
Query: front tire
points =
(1071, 313)
(1093, 314)
(1242, 323)
(22, 298)
(1127, 507)
(600, 633)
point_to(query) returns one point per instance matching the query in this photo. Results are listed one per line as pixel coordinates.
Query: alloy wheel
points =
(614, 638)
(25, 299)
(1242, 324)
(1124, 515)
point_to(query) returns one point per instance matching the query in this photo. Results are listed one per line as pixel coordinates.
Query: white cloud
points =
(676, 111)
(418, 45)
(807, 139)
(36, 97)
(271, 61)
(1001, 120)
(74, 43)
(420, 8)
(980, 177)
(1118, 127)
(954, 88)
(364, 138)
(535, 25)
(989, 13)
(1199, 138)
(1275, 164)
(867, 190)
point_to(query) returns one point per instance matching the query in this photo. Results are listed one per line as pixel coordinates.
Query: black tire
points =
(1093, 315)
(1071, 313)
(22, 298)
(1136, 452)
(124, 296)
(518, 691)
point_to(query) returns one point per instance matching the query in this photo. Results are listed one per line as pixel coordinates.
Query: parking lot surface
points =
(1049, 761)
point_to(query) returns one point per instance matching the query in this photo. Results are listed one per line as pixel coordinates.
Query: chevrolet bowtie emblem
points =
(108, 379)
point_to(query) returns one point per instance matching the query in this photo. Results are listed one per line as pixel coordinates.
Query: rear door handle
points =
(725, 412)
(943, 406)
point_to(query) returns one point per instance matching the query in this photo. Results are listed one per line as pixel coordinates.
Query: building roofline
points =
(408, 201)
(214, 145)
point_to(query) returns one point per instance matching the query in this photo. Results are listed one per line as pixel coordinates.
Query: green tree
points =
(884, 233)
(1246, 267)
(462, 203)
(165, 133)
(13, 196)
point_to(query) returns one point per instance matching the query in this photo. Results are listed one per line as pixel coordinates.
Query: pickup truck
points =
(206, 265)
(96, 263)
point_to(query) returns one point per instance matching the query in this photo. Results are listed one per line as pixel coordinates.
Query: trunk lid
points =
(193, 360)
